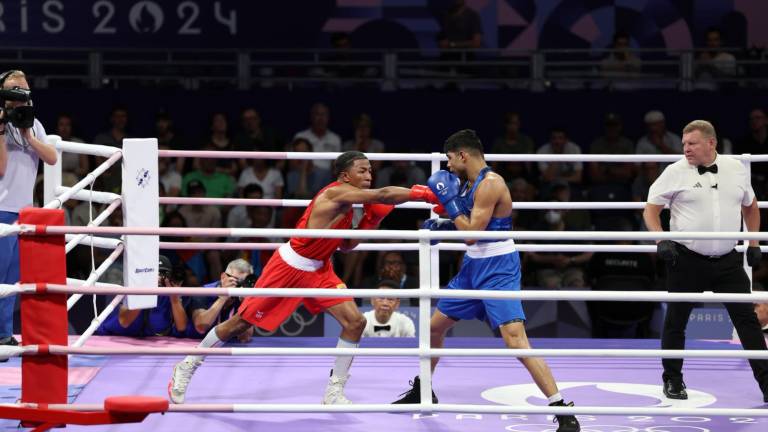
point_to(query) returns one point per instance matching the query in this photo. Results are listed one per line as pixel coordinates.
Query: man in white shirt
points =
(658, 140)
(21, 148)
(710, 193)
(318, 134)
(384, 320)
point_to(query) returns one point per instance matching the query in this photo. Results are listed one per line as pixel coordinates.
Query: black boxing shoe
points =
(566, 423)
(674, 388)
(413, 396)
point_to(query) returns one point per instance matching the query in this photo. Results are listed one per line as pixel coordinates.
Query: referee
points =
(705, 192)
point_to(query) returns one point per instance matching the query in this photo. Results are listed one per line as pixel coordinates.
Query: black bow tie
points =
(702, 169)
(380, 328)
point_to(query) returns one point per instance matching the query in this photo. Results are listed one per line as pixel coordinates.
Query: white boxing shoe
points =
(334, 392)
(182, 374)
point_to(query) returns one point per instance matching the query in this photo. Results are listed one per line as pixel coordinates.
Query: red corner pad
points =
(135, 404)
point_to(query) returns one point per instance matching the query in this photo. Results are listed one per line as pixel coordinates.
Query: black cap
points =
(195, 185)
(164, 264)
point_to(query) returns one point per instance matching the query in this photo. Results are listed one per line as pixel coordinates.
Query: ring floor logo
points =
(619, 393)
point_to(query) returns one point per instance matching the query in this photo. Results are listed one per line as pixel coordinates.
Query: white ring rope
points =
(74, 240)
(393, 234)
(426, 407)
(82, 184)
(432, 292)
(521, 247)
(429, 157)
(96, 274)
(517, 205)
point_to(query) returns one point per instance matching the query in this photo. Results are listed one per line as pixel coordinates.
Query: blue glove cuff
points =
(453, 208)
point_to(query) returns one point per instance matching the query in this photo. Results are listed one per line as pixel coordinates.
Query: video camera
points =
(22, 117)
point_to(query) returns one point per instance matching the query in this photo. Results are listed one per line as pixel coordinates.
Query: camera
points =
(247, 282)
(22, 117)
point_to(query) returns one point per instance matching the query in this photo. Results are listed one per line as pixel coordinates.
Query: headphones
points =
(4, 76)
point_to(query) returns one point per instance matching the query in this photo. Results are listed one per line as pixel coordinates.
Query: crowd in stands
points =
(301, 179)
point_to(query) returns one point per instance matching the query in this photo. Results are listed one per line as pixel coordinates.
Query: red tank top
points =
(319, 248)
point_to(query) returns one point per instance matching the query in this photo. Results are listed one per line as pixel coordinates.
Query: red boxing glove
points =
(373, 214)
(439, 209)
(423, 193)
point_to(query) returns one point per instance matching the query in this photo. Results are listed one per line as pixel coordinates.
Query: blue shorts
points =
(501, 273)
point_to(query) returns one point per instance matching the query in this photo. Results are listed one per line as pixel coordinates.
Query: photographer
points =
(168, 318)
(206, 312)
(21, 147)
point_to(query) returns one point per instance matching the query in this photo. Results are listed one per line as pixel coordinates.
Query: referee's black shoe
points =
(413, 396)
(566, 423)
(674, 388)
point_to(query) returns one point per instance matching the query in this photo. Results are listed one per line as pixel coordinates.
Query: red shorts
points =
(269, 312)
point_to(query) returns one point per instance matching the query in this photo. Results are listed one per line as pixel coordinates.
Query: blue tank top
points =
(467, 198)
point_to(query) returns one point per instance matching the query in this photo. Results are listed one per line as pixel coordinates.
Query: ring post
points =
(425, 307)
(43, 316)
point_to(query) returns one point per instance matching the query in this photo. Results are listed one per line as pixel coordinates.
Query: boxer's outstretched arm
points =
(387, 195)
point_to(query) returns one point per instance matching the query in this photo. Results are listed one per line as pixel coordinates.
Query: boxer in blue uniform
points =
(477, 199)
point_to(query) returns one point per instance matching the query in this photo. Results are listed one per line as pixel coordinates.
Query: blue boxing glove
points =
(446, 186)
(438, 225)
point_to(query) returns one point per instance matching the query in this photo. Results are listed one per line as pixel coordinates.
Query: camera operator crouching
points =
(22, 145)
(206, 312)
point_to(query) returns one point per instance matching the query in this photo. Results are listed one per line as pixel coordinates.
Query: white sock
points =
(343, 362)
(555, 398)
(211, 340)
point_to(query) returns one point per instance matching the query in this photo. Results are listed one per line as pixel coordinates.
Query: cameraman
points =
(21, 146)
(168, 318)
(206, 312)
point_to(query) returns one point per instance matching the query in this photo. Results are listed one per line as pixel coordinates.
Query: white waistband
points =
(293, 259)
(491, 249)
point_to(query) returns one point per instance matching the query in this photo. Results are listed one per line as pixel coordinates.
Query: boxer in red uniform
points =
(305, 263)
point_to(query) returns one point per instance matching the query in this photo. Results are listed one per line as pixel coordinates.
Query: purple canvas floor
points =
(603, 382)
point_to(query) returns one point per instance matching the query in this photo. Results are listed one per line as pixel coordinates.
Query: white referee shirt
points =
(400, 325)
(704, 202)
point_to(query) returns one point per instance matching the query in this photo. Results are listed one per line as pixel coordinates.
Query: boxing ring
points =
(480, 386)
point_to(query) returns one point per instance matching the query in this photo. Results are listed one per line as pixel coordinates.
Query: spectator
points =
(168, 318)
(621, 62)
(713, 62)
(364, 141)
(270, 179)
(658, 140)
(217, 184)
(384, 320)
(522, 191)
(612, 141)
(206, 312)
(258, 217)
(318, 134)
(756, 142)
(203, 216)
(561, 269)
(170, 180)
(460, 28)
(167, 138)
(303, 179)
(401, 172)
(238, 216)
(513, 142)
(77, 164)
(253, 135)
(551, 172)
(114, 137)
(392, 267)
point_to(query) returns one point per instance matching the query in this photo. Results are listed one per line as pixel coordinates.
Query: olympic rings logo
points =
(293, 326)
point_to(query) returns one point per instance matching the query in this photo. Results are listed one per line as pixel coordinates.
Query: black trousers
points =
(694, 273)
